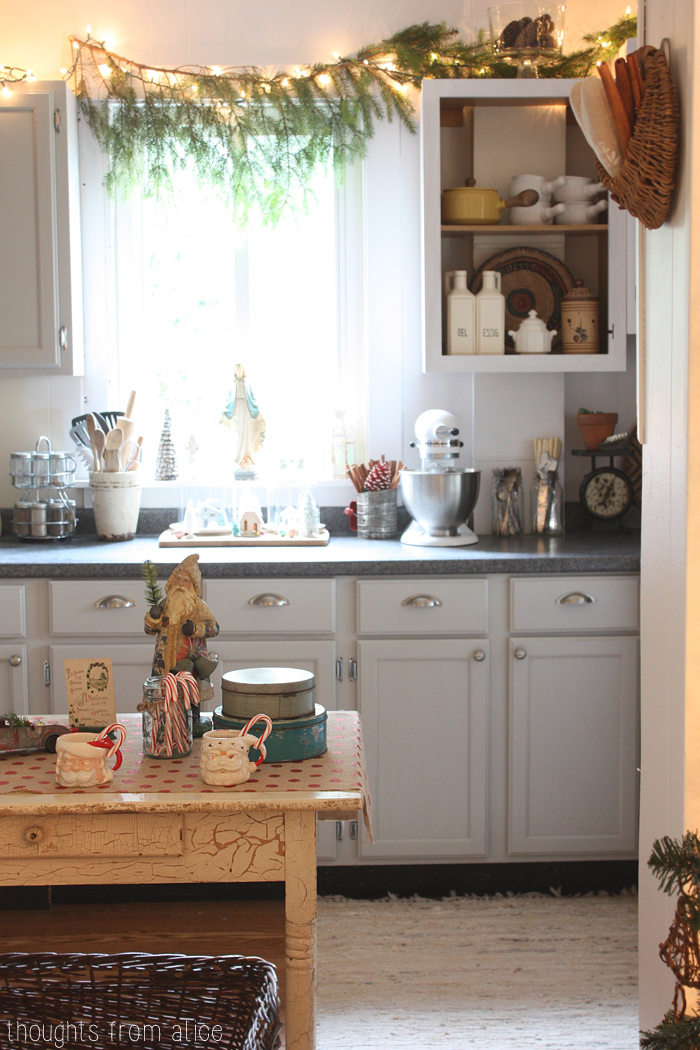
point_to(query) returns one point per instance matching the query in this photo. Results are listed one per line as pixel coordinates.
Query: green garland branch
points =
(676, 864)
(259, 138)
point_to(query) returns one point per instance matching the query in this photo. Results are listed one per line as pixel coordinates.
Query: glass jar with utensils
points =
(43, 510)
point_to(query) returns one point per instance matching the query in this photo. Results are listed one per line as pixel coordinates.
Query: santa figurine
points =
(183, 622)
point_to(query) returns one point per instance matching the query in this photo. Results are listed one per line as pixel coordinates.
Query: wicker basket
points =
(645, 184)
(155, 994)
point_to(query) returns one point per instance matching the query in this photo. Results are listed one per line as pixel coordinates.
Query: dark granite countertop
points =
(85, 557)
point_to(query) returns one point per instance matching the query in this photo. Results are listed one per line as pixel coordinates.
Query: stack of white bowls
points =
(541, 213)
(578, 195)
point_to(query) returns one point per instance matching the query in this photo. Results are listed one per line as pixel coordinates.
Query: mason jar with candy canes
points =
(166, 710)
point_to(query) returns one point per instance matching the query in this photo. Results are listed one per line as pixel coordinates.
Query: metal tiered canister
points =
(43, 510)
(288, 696)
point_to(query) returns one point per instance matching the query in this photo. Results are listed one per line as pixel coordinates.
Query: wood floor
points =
(192, 928)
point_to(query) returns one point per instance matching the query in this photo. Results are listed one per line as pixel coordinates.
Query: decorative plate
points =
(530, 280)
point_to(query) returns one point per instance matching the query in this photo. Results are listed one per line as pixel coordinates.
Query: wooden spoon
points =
(130, 405)
(91, 426)
(113, 444)
(98, 447)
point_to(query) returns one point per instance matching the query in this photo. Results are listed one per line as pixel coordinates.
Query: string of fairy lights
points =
(257, 137)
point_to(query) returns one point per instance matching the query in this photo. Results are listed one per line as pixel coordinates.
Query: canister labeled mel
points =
(280, 692)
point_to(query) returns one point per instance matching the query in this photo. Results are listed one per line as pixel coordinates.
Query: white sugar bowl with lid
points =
(533, 336)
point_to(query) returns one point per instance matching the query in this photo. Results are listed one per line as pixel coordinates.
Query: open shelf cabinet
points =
(492, 130)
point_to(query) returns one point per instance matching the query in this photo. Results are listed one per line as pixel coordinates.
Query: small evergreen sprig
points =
(673, 1034)
(16, 720)
(154, 595)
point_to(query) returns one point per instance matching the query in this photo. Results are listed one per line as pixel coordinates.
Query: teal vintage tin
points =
(291, 739)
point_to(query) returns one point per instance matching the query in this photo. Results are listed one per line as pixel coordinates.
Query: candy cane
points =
(102, 740)
(265, 734)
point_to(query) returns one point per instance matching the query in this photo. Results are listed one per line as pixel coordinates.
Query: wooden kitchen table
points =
(159, 823)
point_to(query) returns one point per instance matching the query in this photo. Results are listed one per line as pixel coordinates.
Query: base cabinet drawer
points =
(85, 835)
(91, 607)
(13, 617)
(422, 606)
(574, 603)
(273, 606)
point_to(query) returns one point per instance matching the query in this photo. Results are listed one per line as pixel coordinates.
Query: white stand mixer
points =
(440, 496)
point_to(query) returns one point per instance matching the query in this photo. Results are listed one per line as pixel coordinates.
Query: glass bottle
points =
(343, 445)
(461, 314)
(166, 733)
(547, 505)
(507, 501)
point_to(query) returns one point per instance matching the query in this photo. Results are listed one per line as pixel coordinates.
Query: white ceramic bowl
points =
(576, 188)
(579, 212)
(538, 214)
(545, 187)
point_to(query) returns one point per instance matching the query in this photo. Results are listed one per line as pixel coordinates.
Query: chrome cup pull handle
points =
(114, 601)
(422, 601)
(575, 598)
(267, 600)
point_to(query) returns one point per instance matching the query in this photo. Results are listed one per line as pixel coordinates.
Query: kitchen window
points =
(193, 295)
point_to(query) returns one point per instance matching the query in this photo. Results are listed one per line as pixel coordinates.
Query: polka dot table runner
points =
(342, 768)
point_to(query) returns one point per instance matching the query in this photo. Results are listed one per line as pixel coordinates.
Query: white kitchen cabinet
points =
(573, 745)
(40, 266)
(493, 130)
(423, 707)
(14, 694)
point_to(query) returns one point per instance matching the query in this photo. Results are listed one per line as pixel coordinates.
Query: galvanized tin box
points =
(280, 692)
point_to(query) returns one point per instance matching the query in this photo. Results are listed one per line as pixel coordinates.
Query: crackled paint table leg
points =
(300, 909)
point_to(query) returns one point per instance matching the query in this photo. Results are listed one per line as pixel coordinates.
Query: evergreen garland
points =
(676, 864)
(258, 139)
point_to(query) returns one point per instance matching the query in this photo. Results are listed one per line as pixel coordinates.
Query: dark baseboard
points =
(370, 882)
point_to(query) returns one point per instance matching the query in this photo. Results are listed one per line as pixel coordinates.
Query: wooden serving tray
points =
(267, 539)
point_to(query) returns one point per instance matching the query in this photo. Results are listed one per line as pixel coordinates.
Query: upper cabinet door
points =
(40, 281)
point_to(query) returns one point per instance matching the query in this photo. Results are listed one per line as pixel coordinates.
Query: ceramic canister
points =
(580, 321)
(279, 692)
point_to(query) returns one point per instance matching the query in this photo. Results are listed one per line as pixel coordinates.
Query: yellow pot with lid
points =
(472, 205)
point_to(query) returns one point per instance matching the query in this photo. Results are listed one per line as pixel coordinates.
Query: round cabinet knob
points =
(520, 654)
(15, 661)
(479, 655)
(33, 835)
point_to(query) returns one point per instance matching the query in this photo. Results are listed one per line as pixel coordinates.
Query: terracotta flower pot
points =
(596, 426)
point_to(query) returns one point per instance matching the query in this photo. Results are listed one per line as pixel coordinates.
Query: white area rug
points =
(502, 972)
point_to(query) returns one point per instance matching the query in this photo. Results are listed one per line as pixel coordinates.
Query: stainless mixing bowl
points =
(440, 501)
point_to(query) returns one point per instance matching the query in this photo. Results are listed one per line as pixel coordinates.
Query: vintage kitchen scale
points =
(288, 696)
(607, 492)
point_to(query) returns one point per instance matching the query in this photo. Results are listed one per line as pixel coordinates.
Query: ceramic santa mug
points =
(224, 761)
(81, 758)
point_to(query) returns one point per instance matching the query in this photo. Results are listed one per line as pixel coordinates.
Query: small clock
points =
(606, 493)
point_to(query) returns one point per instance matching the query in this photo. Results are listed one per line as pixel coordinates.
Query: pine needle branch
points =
(154, 595)
(256, 138)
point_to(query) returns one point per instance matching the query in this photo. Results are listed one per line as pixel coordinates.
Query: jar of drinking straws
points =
(166, 709)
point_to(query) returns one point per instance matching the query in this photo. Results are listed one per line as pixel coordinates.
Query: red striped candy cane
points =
(102, 740)
(265, 734)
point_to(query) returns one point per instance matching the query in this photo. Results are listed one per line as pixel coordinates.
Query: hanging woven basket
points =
(644, 186)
